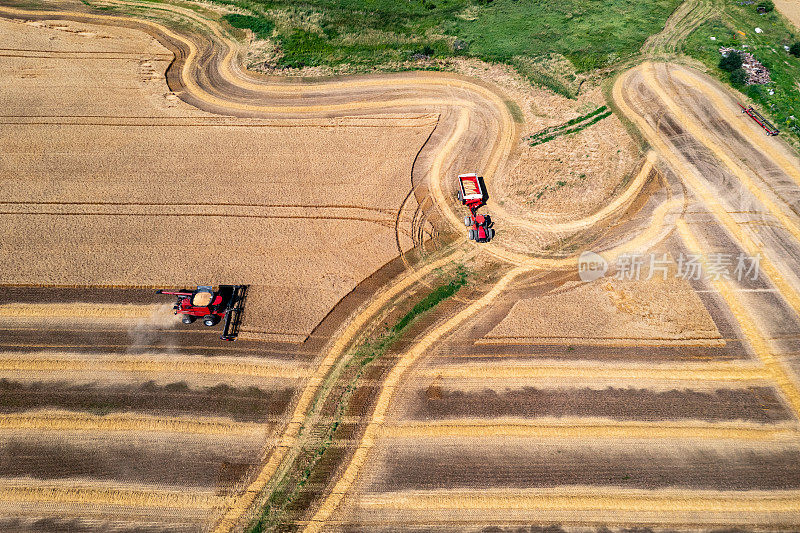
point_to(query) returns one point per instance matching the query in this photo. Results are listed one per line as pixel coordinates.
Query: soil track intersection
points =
(739, 352)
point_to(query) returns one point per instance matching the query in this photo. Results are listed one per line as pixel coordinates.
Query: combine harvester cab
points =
(759, 118)
(472, 194)
(212, 306)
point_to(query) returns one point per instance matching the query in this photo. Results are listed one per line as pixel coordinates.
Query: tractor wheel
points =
(187, 319)
(471, 234)
(489, 234)
(210, 320)
(467, 221)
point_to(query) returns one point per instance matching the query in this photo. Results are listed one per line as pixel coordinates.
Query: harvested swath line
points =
(246, 366)
(193, 205)
(78, 310)
(242, 404)
(172, 460)
(664, 502)
(758, 404)
(83, 493)
(414, 464)
(590, 428)
(27, 294)
(52, 420)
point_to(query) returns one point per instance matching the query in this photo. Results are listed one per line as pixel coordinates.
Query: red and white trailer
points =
(473, 195)
(759, 118)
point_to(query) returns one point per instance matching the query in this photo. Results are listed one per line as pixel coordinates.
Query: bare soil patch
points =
(789, 9)
(251, 404)
(180, 460)
(758, 404)
(417, 466)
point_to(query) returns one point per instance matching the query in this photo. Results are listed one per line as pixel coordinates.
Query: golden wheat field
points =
(140, 196)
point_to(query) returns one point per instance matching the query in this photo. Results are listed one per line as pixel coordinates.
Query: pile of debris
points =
(757, 74)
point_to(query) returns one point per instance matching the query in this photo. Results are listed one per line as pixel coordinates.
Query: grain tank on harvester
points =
(212, 306)
(472, 193)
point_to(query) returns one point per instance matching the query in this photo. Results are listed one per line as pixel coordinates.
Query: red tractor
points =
(212, 306)
(473, 195)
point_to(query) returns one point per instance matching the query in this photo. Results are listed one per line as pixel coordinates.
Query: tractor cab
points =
(473, 195)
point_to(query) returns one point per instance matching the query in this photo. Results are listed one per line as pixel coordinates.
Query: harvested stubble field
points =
(537, 411)
(142, 180)
(511, 407)
(613, 311)
(112, 411)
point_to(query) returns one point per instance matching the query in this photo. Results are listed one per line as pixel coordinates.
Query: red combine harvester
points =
(764, 123)
(473, 195)
(212, 306)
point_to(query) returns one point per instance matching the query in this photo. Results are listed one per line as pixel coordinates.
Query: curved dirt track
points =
(406, 474)
(476, 131)
(482, 135)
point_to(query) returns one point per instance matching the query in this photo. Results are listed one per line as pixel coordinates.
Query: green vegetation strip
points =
(309, 466)
(571, 126)
(782, 106)
(358, 35)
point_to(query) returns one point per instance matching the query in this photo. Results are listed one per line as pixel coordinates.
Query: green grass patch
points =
(274, 516)
(768, 48)
(369, 33)
(516, 112)
(260, 26)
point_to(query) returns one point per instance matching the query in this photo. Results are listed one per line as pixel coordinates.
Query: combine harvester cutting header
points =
(472, 194)
(764, 123)
(212, 306)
